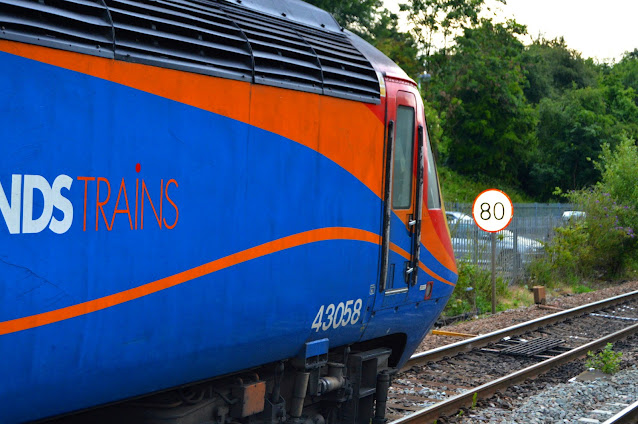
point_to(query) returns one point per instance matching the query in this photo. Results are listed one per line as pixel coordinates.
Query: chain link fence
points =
(516, 246)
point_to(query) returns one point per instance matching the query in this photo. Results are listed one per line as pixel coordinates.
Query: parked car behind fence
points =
(516, 247)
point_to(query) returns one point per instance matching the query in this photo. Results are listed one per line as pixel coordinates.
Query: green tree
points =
(478, 88)
(603, 242)
(627, 72)
(571, 130)
(399, 46)
(380, 27)
(429, 17)
(621, 85)
(619, 169)
(551, 68)
(622, 105)
(356, 15)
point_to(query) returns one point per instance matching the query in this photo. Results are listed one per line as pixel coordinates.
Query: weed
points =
(474, 399)
(517, 296)
(606, 361)
(580, 288)
(474, 285)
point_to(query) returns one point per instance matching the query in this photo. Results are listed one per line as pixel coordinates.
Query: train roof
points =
(294, 10)
(284, 43)
(307, 14)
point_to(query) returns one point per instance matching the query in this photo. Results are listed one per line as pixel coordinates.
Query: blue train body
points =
(147, 242)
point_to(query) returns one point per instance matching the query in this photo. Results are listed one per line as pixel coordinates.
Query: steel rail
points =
(453, 404)
(627, 415)
(483, 340)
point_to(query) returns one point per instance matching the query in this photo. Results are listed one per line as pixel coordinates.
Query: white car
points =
(569, 216)
(471, 244)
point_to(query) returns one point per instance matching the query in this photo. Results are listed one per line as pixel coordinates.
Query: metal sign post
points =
(492, 212)
(493, 273)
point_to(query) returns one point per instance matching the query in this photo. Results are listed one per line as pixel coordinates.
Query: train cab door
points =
(403, 195)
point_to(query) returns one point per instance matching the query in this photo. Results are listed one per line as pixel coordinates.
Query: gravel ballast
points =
(572, 402)
(556, 397)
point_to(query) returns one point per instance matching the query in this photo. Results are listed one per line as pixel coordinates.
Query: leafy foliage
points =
(430, 17)
(619, 168)
(626, 71)
(606, 361)
(552, 68)
(486, 119)
(401, 47)
(603, 240)
(463, 189)
(570, 130)
(356, 15)
(602, 244)
(574, 123)
(474, 283)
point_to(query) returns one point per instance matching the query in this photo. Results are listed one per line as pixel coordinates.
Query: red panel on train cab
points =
(440, 226)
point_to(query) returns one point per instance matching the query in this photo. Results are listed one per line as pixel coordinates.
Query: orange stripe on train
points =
(322, 234)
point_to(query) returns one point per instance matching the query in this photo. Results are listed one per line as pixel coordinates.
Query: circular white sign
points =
(492, 210)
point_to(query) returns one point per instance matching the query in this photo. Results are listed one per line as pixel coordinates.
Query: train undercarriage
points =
(346, 385)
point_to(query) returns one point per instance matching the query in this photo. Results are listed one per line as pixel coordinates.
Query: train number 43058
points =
(343, 314)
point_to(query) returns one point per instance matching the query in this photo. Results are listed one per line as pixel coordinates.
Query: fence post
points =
(517, 258)
(475, 241)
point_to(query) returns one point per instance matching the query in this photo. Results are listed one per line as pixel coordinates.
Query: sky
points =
(602, 30)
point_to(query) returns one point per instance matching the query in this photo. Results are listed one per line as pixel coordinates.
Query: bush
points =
(619, 170)
(480, 281)
(568, 253)
(602, 244)
(607, 230)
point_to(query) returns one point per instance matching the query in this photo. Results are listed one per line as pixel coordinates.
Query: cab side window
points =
(434, 196)
(403, 159)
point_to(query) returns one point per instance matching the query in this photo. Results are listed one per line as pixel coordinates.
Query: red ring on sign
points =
(508, 199)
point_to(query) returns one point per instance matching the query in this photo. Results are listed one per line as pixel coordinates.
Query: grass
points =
(516, 297)
(580, 288)
(508, 297)
(459, 188)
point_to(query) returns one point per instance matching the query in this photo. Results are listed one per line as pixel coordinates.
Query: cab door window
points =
(403, 159)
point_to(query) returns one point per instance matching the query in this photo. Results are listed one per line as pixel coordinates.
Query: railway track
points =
(627, 415)
(441, 381)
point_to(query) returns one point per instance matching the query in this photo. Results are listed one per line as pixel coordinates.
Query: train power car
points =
(218, 211)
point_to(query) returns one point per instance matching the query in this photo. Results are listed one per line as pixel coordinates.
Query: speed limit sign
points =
(492, 210)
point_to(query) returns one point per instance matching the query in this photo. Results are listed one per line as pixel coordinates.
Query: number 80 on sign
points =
(492, 210)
